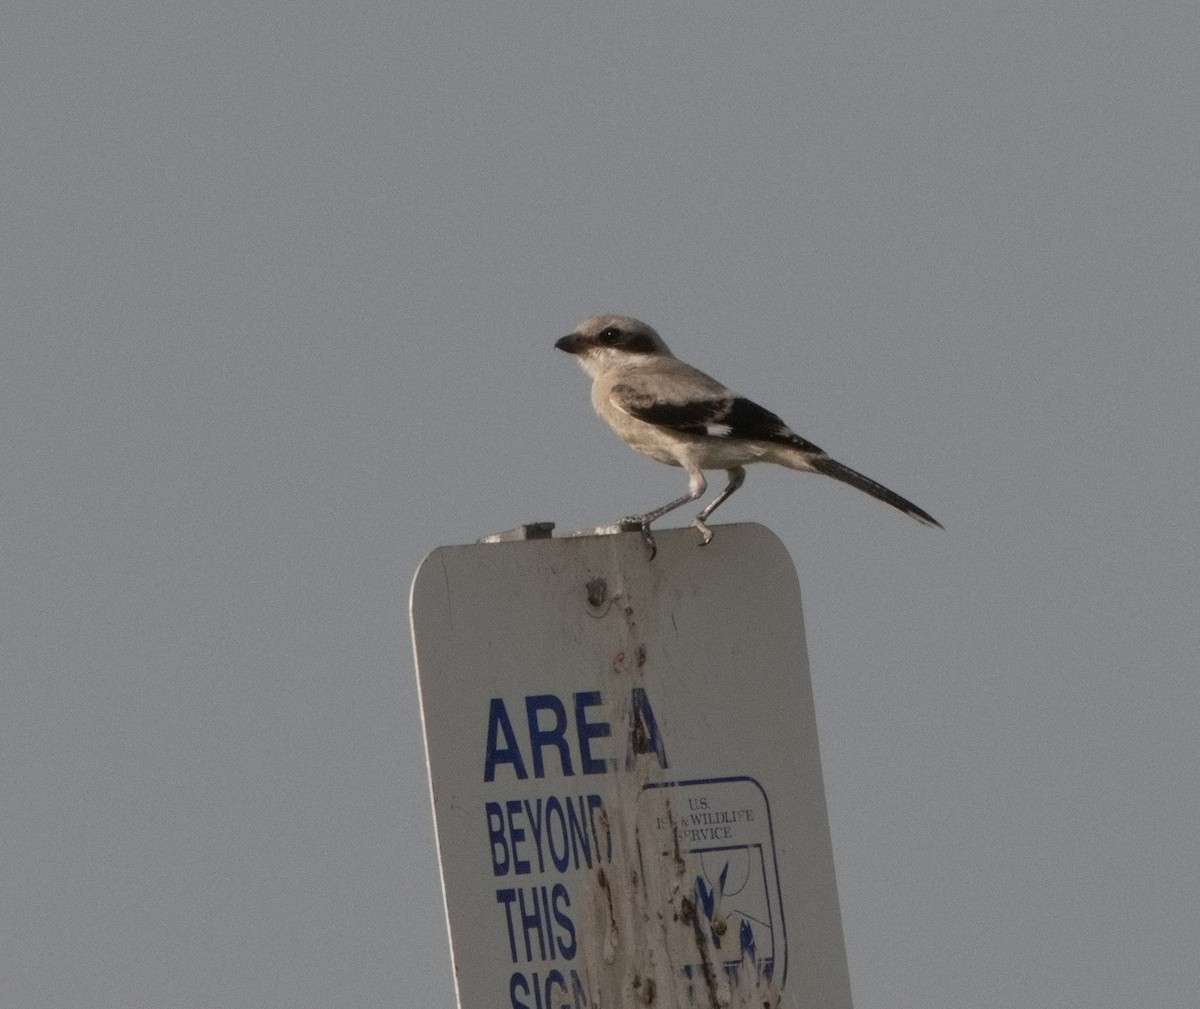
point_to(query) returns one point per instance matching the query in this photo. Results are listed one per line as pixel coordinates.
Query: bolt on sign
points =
(625, 774)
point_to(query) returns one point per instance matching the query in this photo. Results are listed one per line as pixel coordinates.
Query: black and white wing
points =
(716, 413)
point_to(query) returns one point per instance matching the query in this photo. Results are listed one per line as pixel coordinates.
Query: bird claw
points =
(706, 534)
(635, 523)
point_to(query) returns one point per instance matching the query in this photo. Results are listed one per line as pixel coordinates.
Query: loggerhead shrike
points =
(669, 411)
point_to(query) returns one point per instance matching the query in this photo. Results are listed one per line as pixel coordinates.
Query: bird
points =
(664, 408)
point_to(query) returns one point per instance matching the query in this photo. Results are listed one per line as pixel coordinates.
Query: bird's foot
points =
(635, 523)
(706, 534)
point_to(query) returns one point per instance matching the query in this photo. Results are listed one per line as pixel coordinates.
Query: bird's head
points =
(604, 342)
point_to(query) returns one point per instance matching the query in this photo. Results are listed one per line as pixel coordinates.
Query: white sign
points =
(625, 774)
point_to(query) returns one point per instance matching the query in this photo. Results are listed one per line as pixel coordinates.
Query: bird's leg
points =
(737, 476)
(631, 524)
(696, 486)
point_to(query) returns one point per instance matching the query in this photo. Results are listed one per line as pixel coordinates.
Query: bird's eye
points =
(610, 336)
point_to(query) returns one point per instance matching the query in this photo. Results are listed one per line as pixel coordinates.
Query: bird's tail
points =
(831, 467)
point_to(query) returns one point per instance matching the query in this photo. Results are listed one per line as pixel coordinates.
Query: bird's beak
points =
(572, 343)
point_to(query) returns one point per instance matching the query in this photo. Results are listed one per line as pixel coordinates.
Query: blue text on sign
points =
(570, 738)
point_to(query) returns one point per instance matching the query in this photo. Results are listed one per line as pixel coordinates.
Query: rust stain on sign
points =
(651, 932)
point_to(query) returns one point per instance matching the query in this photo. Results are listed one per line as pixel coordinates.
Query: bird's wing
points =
(707, 409)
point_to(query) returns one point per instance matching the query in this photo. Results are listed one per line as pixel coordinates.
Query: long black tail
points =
(833, 468)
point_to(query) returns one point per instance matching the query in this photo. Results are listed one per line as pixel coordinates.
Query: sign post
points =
(625, 774)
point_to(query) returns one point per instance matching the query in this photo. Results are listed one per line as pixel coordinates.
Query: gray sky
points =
(281, 285)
